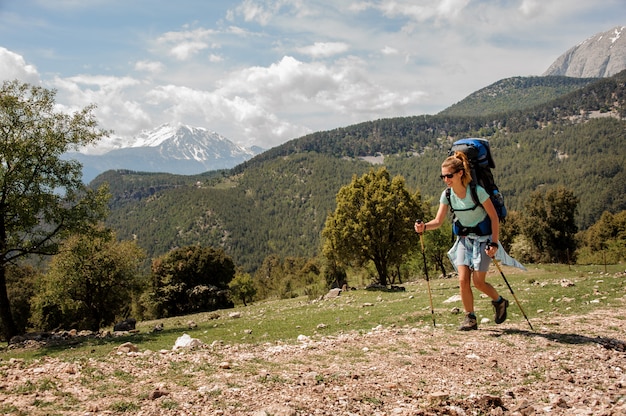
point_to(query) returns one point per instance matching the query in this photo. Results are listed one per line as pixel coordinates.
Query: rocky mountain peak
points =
(601, 55)
(173, 148)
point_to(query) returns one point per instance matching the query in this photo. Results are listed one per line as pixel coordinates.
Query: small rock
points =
(185, 341)
(158, 392)
(127, 347)
(332, 293)
(437, 397)
(562, 403)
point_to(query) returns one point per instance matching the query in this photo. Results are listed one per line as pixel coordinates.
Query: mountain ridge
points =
(599, 56)
(178, 149)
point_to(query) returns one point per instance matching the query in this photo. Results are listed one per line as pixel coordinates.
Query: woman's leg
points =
(481, 284)
(465, 280)
(499, 304)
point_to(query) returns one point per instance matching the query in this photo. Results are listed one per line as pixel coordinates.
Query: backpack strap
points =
(474, 194)
(483, 228)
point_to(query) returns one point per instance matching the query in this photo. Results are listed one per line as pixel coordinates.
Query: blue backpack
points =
(478, 153)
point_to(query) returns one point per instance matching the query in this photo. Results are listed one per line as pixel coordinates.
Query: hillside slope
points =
(517, 93)
(277, 202)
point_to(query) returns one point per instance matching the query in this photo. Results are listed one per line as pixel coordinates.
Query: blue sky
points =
(266, 71)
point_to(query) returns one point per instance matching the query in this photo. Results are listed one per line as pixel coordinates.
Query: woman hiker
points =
(473, 248)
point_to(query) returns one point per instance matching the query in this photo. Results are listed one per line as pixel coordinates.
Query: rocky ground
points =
(570, 365)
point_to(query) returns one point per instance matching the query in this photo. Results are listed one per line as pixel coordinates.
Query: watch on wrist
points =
(492, 244)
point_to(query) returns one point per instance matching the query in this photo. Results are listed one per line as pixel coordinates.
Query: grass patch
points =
(9, 409)
(543, 290)
(124, 407)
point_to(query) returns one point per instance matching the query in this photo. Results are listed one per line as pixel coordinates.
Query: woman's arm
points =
(434, 223)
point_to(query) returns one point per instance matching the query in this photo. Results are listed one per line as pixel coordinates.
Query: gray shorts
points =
(471, 252)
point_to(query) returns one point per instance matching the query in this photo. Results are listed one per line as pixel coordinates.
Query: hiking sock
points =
(499, 300)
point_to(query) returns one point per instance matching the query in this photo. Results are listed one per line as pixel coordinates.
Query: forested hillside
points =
(276, 203)
(517, 93)
(278, 208)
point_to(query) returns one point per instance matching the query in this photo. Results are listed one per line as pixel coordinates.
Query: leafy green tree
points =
(373, 222)
(242, 287)
(90, 283)
(191, 279)
(21, 284)
(42, 196)
(510, 229)
(288, 277)
(335, 276)
(268, 275)
(549, 223)
(605, 241)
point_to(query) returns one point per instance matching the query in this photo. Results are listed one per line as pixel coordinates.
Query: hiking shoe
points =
(469, 324)
(500, 308)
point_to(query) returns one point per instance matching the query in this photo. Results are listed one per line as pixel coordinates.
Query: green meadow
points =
(543, 291)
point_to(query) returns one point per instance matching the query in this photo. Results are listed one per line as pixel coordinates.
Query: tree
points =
(605, 241)
(242, 287)
(191, 279)
(42, 196)
(510, 229)
(373, 221)
(90, 283)
(549, 223)
(22, 282)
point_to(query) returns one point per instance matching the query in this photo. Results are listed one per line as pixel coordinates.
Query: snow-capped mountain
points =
(178, 149)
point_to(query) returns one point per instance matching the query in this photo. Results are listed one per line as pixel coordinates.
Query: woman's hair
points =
(458, 161)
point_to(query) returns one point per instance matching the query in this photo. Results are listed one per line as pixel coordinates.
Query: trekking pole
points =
(430, 296)
(512, 293)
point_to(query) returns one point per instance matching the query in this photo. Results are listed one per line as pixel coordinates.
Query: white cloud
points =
(183, 45)
(115, 108)
(417, 10)
(388, 50)
(252, 10)
(250, 105)
(215, 58)
(185, 50)
(324, 49)
(450, 9)
(530, 8)
(264, 11)
(149, 66)
(13, 66)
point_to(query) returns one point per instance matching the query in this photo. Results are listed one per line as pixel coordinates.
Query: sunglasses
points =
(449, 175)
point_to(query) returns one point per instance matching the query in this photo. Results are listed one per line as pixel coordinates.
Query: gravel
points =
(570, 365)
